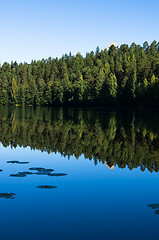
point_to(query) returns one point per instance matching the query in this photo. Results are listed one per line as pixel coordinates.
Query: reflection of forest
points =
(122, 138)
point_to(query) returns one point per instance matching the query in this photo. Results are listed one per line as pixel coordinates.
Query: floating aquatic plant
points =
(19, 174)
(28, 173)
(155, 206)
(36, 168)
(13, 162)
(45, 170)
(56, 174)
(17, 162)
(46, 187)
(41, 173)
(7, 195)
(23, 162)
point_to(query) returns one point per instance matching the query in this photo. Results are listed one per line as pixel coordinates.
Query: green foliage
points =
(112, 85)
(117, 76)
(125, 138)
(14, 90)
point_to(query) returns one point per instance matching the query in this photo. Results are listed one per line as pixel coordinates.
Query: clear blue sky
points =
(36, 29)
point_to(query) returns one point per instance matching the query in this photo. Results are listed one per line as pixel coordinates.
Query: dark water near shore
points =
(105, 174)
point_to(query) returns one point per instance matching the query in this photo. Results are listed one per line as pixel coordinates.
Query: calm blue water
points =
(90, 202)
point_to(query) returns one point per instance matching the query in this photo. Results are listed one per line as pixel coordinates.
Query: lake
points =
(79, 174)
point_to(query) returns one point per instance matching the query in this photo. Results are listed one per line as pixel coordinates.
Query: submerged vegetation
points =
(115, 76)
(122, 138)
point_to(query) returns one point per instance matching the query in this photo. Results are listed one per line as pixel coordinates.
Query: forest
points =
(118, 76)
(126, 139)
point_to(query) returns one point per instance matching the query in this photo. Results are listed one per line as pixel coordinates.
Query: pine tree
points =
(14, 90)
(112, 85)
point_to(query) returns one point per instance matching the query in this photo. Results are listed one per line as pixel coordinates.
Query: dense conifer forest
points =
(125, 75)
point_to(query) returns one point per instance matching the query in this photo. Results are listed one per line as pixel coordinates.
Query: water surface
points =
(105, 174)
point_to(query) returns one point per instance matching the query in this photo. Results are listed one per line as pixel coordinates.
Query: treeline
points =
(125, 139)
(115, 76)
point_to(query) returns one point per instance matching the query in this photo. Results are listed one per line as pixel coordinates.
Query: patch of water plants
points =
(17, 162)
(38, 171)
(155, 206)
(46, 187)
(7, 195)
(31, 171)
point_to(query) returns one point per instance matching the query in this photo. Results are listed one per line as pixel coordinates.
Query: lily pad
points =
(157, 212)
(17, 162)
(20, 174)
(41, 173)
(56, 174)
(154, 206)
(7, 195)
(28, 173)
(23, 162)
(13, 162)
(45, 170)
(46, 187)
(36, 168)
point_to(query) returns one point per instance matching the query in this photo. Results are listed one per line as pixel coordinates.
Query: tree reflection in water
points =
(124, 138)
